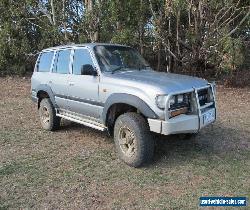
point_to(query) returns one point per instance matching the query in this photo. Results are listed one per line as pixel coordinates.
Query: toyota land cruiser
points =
(111, 87)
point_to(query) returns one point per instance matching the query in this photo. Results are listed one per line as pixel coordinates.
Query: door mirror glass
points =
(88, 69)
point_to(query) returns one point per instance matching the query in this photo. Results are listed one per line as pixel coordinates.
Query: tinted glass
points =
(45, 61)
(112, 58)
(63, 60)
(81, 57)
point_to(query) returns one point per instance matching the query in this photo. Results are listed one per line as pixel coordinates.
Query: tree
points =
(199, 37)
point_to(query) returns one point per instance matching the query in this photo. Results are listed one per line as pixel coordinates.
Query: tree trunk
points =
(53, 12)
(88, 4)
(64, 23)
(141, 29)
(159, 57)
(94, 21)
(177, 32)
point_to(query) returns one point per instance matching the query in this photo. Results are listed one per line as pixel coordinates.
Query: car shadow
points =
(212, 140)
(69, 126)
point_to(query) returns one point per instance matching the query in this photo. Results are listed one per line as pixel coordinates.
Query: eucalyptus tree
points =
(174, 35)
(200, 34)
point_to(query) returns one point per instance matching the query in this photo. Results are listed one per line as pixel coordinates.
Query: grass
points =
(77, 167)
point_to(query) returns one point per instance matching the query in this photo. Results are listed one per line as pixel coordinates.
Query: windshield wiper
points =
(143, 67)
(117, 69)
(147, 66)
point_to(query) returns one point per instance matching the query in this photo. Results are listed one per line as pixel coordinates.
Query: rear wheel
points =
(133, 140)
(47, 113)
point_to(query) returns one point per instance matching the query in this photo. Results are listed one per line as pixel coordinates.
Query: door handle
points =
(50, 82)
(71, 83)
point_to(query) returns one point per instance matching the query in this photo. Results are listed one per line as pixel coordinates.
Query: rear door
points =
(58, 80)
(83, 89)
(42, 69)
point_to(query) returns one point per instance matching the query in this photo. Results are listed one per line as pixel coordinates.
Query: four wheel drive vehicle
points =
(111, 87)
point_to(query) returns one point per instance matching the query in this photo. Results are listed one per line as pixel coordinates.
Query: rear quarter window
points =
(45, 61)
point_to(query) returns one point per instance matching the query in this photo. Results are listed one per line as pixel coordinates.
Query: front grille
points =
(202, 99)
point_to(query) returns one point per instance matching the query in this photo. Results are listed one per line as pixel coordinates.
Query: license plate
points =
(209, 117)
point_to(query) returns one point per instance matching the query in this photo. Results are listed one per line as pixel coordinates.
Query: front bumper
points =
(180, 124)
(34, 96)
(185, 123)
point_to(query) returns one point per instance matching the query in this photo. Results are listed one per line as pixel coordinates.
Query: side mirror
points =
(88, 69)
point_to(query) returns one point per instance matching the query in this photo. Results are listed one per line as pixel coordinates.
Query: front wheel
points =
(47, 113)
(133, 140)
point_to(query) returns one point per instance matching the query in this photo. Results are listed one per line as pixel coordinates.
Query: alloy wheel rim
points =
(45, 115)
(127, 141)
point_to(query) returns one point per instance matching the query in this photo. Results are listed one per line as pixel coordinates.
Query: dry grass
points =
(77, 167)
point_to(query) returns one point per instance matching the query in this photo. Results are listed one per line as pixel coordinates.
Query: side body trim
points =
(87, 101)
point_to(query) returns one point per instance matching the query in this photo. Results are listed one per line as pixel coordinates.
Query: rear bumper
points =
(180, 124)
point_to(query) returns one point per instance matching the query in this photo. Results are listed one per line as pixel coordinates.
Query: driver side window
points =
(81, 57)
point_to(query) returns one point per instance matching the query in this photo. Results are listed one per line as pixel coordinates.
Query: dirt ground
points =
(77, 167)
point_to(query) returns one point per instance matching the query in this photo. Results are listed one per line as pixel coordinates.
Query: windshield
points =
(119, 58)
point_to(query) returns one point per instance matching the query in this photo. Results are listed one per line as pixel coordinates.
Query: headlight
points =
(160, 101)
(180, 98)
(172, 101)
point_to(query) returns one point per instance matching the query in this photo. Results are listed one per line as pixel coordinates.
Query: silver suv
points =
(111, 87)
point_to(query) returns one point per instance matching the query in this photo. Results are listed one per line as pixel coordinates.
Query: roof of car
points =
(91, 45)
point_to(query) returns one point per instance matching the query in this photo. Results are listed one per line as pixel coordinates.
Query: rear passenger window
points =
(81, 57)
(63, 60)
(45, 61)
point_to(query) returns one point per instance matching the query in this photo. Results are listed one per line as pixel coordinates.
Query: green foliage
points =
(14, 42)
(189, 34)
(124, 37)
(232, 57)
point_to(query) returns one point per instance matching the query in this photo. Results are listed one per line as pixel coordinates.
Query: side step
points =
(88, 123)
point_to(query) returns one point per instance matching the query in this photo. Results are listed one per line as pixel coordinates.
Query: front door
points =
(83, 89)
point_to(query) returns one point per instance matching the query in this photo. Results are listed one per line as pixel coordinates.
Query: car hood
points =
(167, 82)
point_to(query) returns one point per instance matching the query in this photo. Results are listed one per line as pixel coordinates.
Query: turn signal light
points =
(177, 112)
